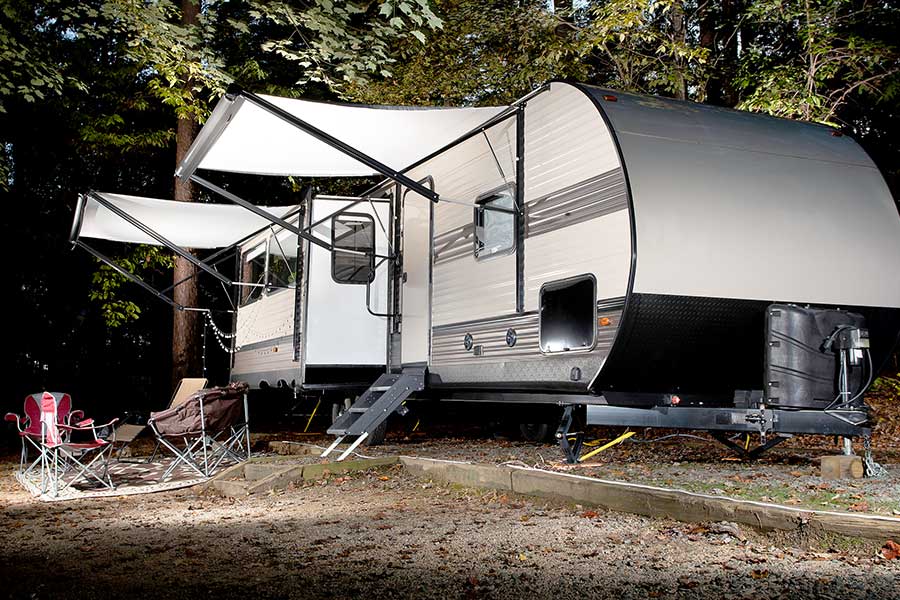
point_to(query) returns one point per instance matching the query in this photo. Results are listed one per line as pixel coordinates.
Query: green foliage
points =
(494, 52)
(487, 52)
(642, 52)
(106, 283)
(338, 43)
(887, 386)
(813, 56)
(29, 72)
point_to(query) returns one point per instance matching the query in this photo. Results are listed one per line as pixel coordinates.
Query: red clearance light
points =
(610, 98)
(836, 133)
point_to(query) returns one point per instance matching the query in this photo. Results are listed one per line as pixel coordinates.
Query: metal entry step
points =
(373, 407)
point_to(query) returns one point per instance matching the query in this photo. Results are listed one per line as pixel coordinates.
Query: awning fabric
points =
(185, 224)
(241, 137)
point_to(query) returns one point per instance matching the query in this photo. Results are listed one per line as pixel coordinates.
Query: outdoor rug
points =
(128, 477)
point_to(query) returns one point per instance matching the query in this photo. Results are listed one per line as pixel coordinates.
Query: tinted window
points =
(495, 230)
(353, 241)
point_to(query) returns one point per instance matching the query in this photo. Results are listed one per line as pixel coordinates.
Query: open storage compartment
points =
(568, 319)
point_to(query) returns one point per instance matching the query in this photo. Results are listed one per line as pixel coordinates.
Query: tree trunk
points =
(732, 10)
(186, 345)
(679, 33)
(708, 40)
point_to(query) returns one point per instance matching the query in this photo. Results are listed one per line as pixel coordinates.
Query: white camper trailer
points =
(662, 263)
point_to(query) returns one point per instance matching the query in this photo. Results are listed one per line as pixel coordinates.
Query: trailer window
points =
(253, 273)
(568, 319)
(282, 260)
(495, 224)
(353, 243)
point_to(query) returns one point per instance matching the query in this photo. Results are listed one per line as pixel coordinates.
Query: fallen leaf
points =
(759, 573)
(590, 514)
(698, 529)
(384, 478)
(890, 550)
(859, 507)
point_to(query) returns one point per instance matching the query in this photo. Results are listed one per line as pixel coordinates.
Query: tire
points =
(535, 432)
(376, 438)
(339, 408)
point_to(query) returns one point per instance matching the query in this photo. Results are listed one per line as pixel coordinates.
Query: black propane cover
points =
(800, 371)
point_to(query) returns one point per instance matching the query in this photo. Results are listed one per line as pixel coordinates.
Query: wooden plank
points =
(659, 502)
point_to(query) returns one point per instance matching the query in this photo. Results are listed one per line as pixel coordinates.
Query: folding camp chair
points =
(30, 426)
(126, 432)
(206, 429)
(63, 462)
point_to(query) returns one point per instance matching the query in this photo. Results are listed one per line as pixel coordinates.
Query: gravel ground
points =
(385, 535)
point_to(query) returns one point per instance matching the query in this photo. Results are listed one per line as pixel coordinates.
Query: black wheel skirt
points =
(709, 346)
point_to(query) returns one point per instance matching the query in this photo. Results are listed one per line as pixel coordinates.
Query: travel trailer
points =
(660, 263)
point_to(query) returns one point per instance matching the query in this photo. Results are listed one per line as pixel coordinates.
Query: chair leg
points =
(88, 469)
(155, 450)
(185, 456)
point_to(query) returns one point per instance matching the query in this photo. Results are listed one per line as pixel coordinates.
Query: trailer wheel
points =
(339, 408)
(376, 438)
(535, 432)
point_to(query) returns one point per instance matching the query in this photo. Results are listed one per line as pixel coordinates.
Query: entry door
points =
(416, 280)
(340, 328)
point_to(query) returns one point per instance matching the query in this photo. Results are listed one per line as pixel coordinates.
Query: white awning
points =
(185, 224)
(241, 137)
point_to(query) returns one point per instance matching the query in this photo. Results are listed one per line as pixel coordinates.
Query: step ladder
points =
(373, 407)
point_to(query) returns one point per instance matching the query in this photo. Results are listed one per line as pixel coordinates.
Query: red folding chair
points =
(65, 462)
(30, 427)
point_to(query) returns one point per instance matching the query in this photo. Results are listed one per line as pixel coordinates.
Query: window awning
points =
(185, 224)
(241, 137)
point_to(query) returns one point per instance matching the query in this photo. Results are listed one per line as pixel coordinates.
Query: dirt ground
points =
(383, 534)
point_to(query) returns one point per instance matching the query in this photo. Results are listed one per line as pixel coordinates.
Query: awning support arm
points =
(341, 146)
(258, 211)
(128, 274)
(216, 255)
(159, 238)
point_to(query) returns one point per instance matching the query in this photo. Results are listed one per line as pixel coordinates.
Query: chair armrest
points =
(87, 425)
(76, 416)
(14, 418)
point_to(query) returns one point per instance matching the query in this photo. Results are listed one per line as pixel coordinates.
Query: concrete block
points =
(254, 471)
(278, 480)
